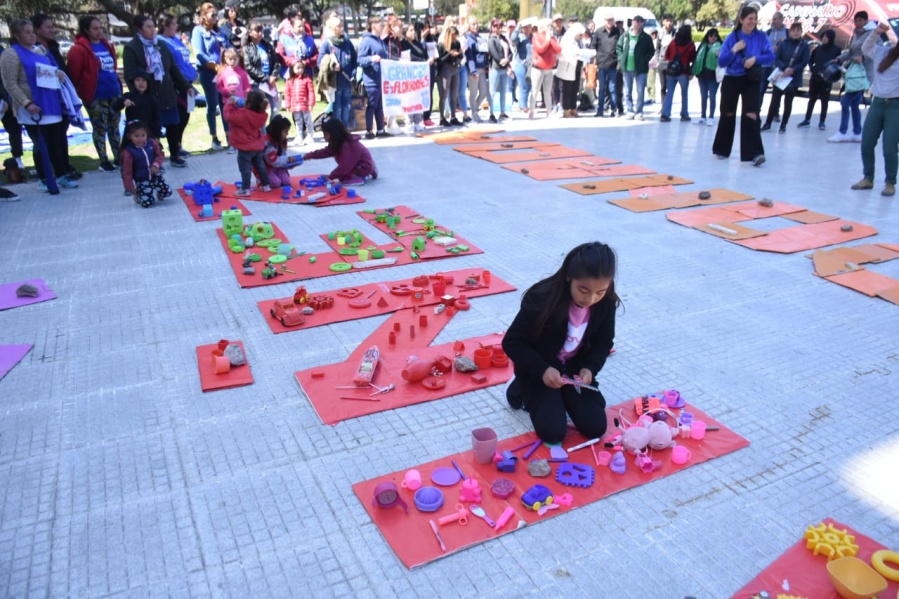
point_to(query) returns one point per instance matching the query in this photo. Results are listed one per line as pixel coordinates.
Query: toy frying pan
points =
(362, 302)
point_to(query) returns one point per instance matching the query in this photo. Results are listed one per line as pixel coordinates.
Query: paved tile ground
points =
(118, 477)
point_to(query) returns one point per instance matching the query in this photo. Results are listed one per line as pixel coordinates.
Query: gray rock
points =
(464, 364)
(27, 290)
(539, 468)
(234, 353)
(308, 310)
(249, 270)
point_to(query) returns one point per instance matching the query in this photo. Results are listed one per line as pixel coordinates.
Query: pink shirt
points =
(577, 325)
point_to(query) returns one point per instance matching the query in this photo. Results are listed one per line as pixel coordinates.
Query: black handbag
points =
(674, 68)
(755, 74)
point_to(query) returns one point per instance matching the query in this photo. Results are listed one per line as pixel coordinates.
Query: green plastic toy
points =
(232, 222)
(419, 244)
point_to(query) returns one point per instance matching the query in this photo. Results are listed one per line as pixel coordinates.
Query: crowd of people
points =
(556, 66)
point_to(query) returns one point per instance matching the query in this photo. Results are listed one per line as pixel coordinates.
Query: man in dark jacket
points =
(635, 49)
(605, 42)
(819, 88)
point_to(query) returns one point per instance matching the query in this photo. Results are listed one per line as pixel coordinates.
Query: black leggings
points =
(175, 133)
(548, 408)
(14, 131)
(55, 144)
(818, 89)
(774, 108)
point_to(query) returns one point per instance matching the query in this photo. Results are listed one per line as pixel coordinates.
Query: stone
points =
(464, 364)
(705, 195)
(234, 353)
(539, 468)
(846, 228)
(27, 290)
(766, 202)
(307, 310)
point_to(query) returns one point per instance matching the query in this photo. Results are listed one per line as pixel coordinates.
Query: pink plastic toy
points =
(618, 465)
(646, 463)
(565, 499)
(471, 491)
(460, 515)
(504, 517)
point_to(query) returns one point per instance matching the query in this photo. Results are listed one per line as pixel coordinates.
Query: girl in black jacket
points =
(565, 328)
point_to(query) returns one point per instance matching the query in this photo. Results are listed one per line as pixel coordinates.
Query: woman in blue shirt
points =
(743, 53)
(208, 44)
(174, 133)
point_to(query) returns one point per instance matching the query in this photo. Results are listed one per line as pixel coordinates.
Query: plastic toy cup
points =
(697, 430)
(604, 457)
(485, 277)
(286, 189)
(680, 455)
(686, 418)
(482, 358)
(362, 255)
(341, 240)
(221, 364)
(438, 287)
(351, 193)
(223, 344)
(418, 294)
(412, 480)
(483, 444)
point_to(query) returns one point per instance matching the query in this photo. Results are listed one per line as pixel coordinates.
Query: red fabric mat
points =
(413, 230)
(374, 292)
(807, 573)
(411, 538)
(217, 207)
(274, 196)
(304, 269)
(210, 381)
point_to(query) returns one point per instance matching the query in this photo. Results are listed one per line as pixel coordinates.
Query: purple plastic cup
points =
(483, 444)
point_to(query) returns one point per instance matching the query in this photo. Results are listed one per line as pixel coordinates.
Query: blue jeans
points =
(708, 91)
(463, 89)
(606, 80)
(342, 97)
(683, 81)
(499, 82)
(849, 102)
(629, 77)
(524, 86)
(213, 101)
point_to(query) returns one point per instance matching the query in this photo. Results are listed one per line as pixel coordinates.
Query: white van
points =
(626, 14)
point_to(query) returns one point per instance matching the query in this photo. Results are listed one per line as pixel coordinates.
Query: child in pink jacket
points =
(355, 165)
(277, 160)
(232, 80)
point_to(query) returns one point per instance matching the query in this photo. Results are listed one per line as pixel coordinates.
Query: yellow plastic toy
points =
(879, 559)
(831, 542)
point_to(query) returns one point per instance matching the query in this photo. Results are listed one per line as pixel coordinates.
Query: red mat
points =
(807, 573)
(373, 293)
(275, 195)
(321, 267)
(411, 538)
(412, 227)
(217, 207)
(238, 376)
(551, 170)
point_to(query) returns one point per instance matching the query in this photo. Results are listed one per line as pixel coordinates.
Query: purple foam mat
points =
(10, 355)
(8, 298)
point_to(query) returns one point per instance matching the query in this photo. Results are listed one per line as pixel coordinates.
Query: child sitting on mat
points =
(275, 154)
(355, 165)
(565, 327)
(141, 163)
(247, 120)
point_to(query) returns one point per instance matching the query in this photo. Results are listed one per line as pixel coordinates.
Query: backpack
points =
(856, 78)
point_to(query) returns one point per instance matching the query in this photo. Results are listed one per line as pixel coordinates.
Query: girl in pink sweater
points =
(232, 80)
(355, 165)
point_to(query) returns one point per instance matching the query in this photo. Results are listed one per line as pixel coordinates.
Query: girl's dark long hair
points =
(594, 260)
(708, 35)
(684, 35)
(274, 130)
(745, 12)
(130, 128)
(336, 132)
(889, 59)
(255, 100)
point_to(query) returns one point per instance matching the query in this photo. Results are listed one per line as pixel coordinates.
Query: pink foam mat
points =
(10, 355)
(9, 299)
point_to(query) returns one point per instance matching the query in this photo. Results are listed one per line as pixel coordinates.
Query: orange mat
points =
(587, 188)
(410, 535)
(683, 199)
(217, 207)
(519, 152)
(551, 170)
(457, 136)
(815, 232)
(480, 138)
(238, 376)
(843, 266)
(275, 196)
(807, 573)
(304, 267)
(349, 303)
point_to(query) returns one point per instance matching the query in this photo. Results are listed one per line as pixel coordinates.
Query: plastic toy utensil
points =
(546, 508)
(445, 477)
(578, 384)
(437, 534)
(460, 516)
(478, 511)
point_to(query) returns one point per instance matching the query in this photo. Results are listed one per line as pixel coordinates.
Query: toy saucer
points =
(274, 241)
(277, 259)
(445, 477)
(340, 266)
(428, 499)
(254, 258)
(434, 382)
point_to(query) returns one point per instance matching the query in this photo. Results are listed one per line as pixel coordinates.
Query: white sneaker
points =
(394, 130)
(19, 163)
(710, 123)
(838, 138)
(310, 139)
(853, 138)
(699, 122)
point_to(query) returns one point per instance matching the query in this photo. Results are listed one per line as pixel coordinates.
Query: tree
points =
(582, 9)
(495, 9)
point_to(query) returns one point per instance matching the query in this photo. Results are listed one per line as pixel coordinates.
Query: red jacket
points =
(299, 94)
(246, 128)
(84, 67)
(685, 54)
(546, 47)
(353, 160)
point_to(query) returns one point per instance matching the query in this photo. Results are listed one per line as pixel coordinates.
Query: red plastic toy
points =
(287, 314)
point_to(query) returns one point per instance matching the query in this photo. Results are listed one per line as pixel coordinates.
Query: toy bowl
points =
(855, 579)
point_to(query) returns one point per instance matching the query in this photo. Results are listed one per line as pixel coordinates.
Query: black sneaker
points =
(183, 153)
(783, 129)
(178, 162)
(492, 118)
(454, 122)
(444, 123)
(503, 115)
(513, 394)
(383, 134)
(685, 119)
(821, 126)
(805, 123)
(766, 127)
(665, 119)
(7, 196)
(466, 119)
(73, 174)
(107, 167)
(369, 135)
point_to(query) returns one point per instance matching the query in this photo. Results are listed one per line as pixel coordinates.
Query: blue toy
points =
(575, 475)
(536, 497)
(507, 462)
(206, 211)
(203, 192)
